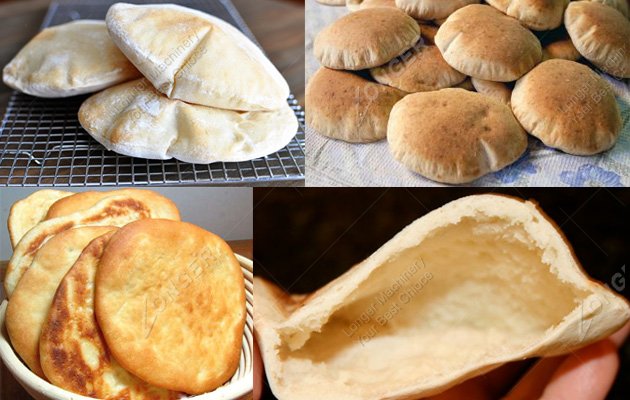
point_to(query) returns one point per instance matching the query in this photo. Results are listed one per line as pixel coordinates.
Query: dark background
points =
(307, 237)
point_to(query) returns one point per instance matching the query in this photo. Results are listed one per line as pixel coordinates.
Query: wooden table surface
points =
(11, 390)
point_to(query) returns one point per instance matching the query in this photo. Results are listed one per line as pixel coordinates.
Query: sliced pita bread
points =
(195, 57)
(29, 211)
(111, 211)
(136, 120)
(459, 292)
(67, 60)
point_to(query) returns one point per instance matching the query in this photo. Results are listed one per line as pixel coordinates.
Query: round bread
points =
(481, 42)
(453, 135)
(568, 107)
(170, 301)
(619, 5)
(601, 34)
(377, 3)
(558, 44)
(366, 38)
(31, 299)
(499, 91)
(72, 351)
(353, 5)
(428, 31)
(432, 9)
(539, 15)
(421, 69)
(345, 106)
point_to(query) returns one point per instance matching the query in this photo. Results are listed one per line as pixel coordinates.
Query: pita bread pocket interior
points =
(567, 106)
(432, 9)
(136, 120)
(481, 42)
(67, 60)
(421, 69)
(172, 316)
(539, 15)
(31, 300)
(453, 135)
(345, 106)
(601, 34)
(197, 58)
(499, 91)
(29, 211)
(366, 38)
(71, 328)
(111, 211)
(457, 293)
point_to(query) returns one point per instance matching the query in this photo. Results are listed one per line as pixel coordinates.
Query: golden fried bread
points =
(170, 302)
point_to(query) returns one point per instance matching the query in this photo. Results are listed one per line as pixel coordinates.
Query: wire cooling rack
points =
(43, 144)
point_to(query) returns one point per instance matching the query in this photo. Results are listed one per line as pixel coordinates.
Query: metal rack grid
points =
(43, 144)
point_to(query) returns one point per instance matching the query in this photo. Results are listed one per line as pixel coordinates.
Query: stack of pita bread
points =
(112, 296)
(178, 83)
(521, 58)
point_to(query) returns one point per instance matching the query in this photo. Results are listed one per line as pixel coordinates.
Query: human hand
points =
(586, 374)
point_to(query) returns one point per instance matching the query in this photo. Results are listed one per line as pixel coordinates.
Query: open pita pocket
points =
(479, 282)
(112, 211)
(136, 120)
(67, 60)
(29, 211)
(195, 57)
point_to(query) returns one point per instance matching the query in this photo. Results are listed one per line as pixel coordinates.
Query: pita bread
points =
(136, 120)
(432, 9)
(73, 354)
(567, 106)
(453, 135)
(421, 69)
(191, 56)
(67, 60)
(601, 34)
(499, 91)
(111, 211)
(31, 300)
(619, 5)
(477, 273)
(481, 42)
(558, 44)
(366, 38)
(377, 3)
(171, 315)
(345, 106)
(353, 5)
(27, 212)
(539, 15)
(84, 200)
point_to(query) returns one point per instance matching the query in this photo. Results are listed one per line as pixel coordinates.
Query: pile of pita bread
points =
(176, 83)
(455, 86)
(110, 295)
